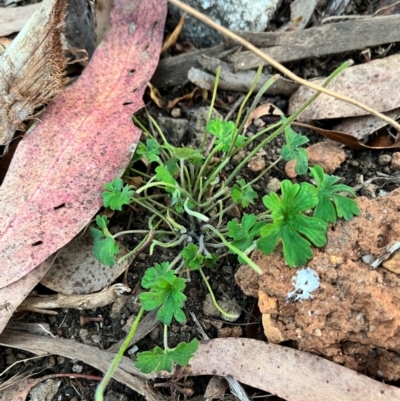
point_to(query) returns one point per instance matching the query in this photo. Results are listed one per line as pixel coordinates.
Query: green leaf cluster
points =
(292, 225)
(293, 150)
(224, 132)
(161, 359)
(166, 292)
(243, 193)
(245, 232)
(331, 204)
(195, 260)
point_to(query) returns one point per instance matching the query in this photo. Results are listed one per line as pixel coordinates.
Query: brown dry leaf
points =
(364, 126)
(41, 345)
(32, 68)
(54, 184)
(347, 139)
(174, 35)
(166, 105)
(370, 83)
(292, 375)
(266, 109)
(77, 271)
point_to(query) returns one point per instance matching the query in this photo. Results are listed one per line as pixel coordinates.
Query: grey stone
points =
(236, 15)
(174, 129)
(383, 160)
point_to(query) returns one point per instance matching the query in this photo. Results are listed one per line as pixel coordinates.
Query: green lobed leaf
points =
(105, 248)
(331, 203)
(224, 131)
(151, 150)
(291, 225)
(243, 194)
(166, 290)
(193, 259)
(117, 195)
(292, 149)
(153, 273)
(159, 359)
(244, 234)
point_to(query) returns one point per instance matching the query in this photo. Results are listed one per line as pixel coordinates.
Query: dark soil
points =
(359, 166)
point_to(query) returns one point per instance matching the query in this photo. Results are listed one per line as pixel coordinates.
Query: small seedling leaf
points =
(166, 290)
(151, 150)
(244, 234)
(105, 248)
(193, 259)
(159, 359)
(224, 131)
(243, 194)
(328, 193)
(292, 149)
(290, 224)
(117, 195)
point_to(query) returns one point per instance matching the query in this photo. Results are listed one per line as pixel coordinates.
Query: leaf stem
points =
(233, 248)
(99, 395)
(228, 315)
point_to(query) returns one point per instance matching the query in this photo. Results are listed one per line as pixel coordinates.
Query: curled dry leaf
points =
(266, 109)
(54, 184)
(77, 271)
(347, 139)
(370, 83)
(292, 375)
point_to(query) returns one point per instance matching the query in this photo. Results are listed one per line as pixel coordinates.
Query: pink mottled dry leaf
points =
(292, 375)
(12, 295)
(54, 184)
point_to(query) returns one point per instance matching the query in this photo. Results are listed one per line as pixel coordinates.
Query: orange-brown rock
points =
(327, 154)
(354, 316)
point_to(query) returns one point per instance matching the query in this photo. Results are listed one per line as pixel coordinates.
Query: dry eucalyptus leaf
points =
(86, 138)
(12, 295)
(77, 271)
(292, 375)
(371, 83)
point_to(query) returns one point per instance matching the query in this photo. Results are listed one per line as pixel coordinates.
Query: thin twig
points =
(208, 21)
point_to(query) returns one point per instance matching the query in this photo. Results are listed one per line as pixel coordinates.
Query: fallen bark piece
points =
(242, 81)
(292, 375)
(80, 302)
(353, 317)
(173, 71)
(316, 42)
(99, 359)
(12, 19)
(32, 68)
(54, 184)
